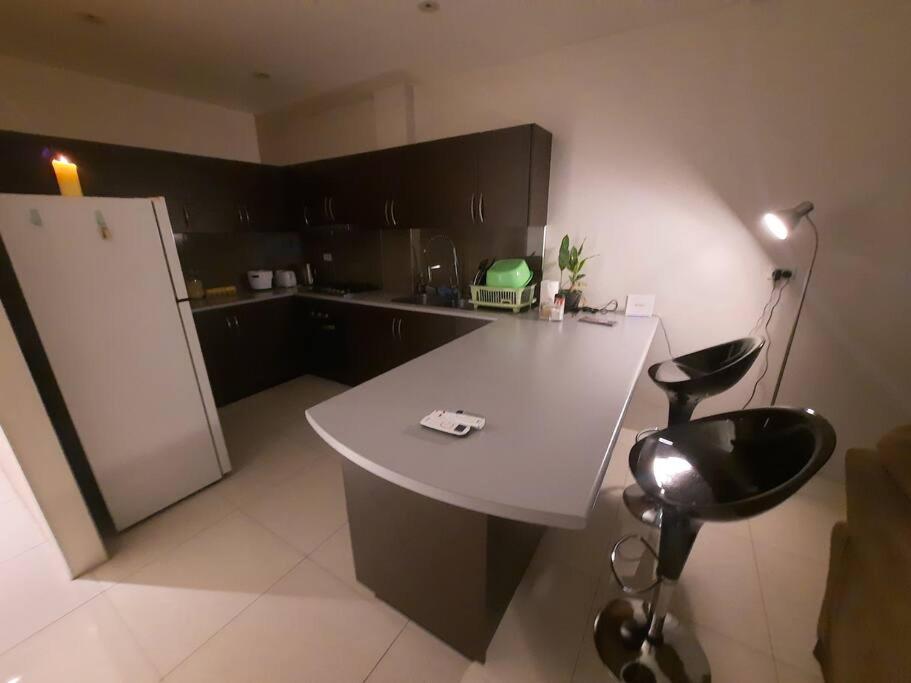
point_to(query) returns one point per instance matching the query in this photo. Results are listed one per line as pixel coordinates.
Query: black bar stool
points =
(687, 380)
(720, 468)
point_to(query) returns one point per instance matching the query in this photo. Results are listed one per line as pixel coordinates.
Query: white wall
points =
(50, 101)
(30, 452)
(299, 134)
(669, 143)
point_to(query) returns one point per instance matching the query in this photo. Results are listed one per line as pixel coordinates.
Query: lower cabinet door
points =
(268, 344)
(218, 340)
(326, 341)
(373, 336)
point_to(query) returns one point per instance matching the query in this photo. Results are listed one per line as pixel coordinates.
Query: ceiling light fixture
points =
(90, 18)
(429, 6)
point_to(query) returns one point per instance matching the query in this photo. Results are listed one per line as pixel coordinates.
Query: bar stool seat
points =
(687, 380)
(720, 468)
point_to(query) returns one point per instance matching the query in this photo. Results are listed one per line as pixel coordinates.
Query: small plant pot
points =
(573, 298)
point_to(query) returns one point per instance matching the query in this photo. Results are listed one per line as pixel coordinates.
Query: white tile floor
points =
(253, 580)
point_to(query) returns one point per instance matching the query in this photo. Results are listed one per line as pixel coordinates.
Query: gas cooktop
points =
(343, 288)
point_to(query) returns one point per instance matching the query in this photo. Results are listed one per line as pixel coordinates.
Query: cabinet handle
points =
(228, 321)
(236, 323)
(247, 214)
(326, 208)
(331, 209)
(471, 207)
(392, 212)
(481, 207)
(386, 212)
(306, 215)
(186, 215)
(400, 329)
(393, 327)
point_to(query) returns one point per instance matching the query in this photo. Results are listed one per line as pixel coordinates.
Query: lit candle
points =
(67, 176)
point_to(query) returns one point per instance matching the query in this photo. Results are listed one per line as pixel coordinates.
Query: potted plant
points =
(571, 259)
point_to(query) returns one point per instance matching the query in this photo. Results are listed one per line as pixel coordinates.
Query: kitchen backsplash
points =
(394, 260)
(224, 258)
(355, 253)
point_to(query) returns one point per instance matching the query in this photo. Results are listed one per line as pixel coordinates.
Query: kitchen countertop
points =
(380, 298)
(242, 297)
(554, 396)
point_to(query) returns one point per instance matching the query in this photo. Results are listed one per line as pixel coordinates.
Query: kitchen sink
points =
(434, 300)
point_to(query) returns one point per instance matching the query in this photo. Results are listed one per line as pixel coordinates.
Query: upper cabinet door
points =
(503, 177)
(380, 189)
(442, 181)
(303, 195)
(322, 192)
(263, 201)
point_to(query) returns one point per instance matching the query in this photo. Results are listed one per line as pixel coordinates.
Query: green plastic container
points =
(511, 273)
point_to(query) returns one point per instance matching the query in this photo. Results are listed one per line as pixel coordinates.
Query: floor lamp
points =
(781, 224)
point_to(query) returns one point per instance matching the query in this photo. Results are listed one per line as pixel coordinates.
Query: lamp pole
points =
(803, 296)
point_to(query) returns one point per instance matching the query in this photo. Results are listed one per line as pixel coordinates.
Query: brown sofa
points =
(865, 624)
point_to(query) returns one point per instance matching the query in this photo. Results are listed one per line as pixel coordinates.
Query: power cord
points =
(768, 338)
(765, 309)
(666, 338)
(610, 307)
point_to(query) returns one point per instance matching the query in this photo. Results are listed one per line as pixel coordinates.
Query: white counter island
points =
(443, 527)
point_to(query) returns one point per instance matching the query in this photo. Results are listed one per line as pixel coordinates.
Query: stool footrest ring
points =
(627, 588)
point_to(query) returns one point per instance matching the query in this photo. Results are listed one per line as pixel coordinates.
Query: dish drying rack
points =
(515, 298)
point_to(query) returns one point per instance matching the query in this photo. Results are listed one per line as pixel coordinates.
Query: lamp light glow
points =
(775, 225)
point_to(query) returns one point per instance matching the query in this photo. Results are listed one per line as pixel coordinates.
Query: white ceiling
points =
(208, 49)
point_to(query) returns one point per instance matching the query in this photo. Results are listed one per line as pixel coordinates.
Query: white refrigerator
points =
(103, 284)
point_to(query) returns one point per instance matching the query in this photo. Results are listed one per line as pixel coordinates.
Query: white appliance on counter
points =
(104, 287)
(285, 278)
(259, 279)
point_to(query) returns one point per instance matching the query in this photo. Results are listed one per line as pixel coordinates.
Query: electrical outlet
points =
(781, 274)
(327, 257)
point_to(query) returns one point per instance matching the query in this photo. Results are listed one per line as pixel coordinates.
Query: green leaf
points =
(563, 258)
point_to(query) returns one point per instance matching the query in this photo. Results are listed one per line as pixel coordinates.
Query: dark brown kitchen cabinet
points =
(324, 192)
(442, 180)
(203, 194)
(384, 338)
(498, 178)
(326, 346)
(379, 184)
(250, 347)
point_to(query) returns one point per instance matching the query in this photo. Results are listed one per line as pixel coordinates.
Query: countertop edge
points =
(378, 299)
(467, 502)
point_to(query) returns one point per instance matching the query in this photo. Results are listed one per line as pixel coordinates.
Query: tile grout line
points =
(129, 631)
(53, 621)
(762, 598)
(166, 552)
(599, 580)
(233, 618)
(20, 554)
(90, 576)
(304, 557)
(386, 651)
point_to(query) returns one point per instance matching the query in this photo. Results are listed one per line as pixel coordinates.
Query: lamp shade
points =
(780, 223)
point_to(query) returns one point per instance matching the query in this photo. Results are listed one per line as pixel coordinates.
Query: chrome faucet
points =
(437, 266)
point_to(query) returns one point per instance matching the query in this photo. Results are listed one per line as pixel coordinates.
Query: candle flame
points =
(63, 160)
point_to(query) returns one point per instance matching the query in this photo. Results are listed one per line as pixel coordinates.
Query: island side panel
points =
(451, 570)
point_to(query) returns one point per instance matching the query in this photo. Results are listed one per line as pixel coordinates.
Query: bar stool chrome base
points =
(620, 639)
(641, 506)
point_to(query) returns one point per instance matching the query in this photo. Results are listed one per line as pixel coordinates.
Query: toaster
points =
(285, 278)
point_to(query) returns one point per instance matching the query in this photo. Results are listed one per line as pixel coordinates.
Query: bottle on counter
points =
(195, 288)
